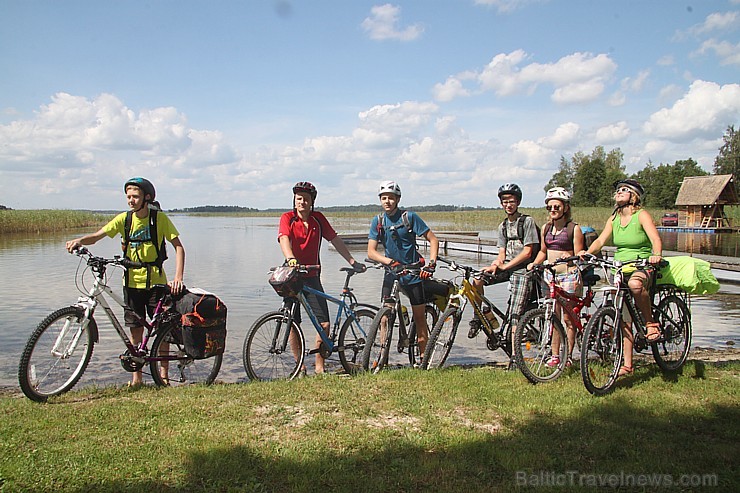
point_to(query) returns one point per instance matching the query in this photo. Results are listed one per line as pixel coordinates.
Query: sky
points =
(232, 102)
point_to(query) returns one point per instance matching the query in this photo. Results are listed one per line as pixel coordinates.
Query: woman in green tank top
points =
(634, 234)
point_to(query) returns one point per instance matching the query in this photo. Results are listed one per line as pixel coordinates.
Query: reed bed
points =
(48, 220)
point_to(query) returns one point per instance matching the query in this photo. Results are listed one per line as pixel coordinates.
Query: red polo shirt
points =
(306, 241)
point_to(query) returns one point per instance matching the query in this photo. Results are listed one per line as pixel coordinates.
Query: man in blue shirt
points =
(397, 230)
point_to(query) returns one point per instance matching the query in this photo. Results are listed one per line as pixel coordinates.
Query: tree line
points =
(590, 177)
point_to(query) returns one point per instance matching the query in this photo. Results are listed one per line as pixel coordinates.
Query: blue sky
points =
(231, 102)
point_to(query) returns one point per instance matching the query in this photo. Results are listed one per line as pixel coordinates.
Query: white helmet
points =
(558, 193)
(389, 187)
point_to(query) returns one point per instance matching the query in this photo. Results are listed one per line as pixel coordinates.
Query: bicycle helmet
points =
(557, 193)
(145, 186)
(389, 187)
(510, 189)
(633, 185)
(305, 187)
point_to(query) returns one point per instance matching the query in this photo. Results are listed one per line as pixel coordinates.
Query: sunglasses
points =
(623, 190)
(554, 207)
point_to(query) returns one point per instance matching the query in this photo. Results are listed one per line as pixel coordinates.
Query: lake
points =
(230, 257)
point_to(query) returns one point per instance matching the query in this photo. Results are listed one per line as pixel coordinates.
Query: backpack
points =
(520, 236)
(203, 317)
(406, 224)
(160, 248)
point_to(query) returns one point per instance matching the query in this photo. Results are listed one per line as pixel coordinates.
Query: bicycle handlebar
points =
(92, 260)
(399, 269)
(620, 264)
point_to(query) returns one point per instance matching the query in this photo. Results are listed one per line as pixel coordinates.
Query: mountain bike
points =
(494, 322)
(541, 331)
(602, 350)
(275, 346)
(59, 350)
(395, 315)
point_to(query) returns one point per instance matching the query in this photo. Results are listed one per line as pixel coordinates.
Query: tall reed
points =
(46, 220)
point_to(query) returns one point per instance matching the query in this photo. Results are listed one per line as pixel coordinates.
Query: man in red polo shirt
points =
(299, 234)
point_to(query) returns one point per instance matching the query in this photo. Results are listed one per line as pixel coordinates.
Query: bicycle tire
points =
(181, 369)
(40, 373)
(261, 362)
(675, 321)
(378, 346)
(601, 351)
(441, 339)
(533, 345)
(352, 339)
(415, 356)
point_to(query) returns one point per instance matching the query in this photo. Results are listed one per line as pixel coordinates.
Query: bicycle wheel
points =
(601, 351)
(675, 322)
(352, 339)
(441, 339)
(432, 315)
(533, 345)
(177, 368)
(56, 354)
(378, 344)
(263, 355)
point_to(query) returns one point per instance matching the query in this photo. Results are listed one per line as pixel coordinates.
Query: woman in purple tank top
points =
(561, 237)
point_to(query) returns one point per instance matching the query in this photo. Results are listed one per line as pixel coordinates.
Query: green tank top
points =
(631, 241)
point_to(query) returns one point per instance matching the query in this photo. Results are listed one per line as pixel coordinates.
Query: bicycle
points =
(602, 351)
(275, 347)
(486, 317)
(376, 355)
(541, 328)
(59, 350)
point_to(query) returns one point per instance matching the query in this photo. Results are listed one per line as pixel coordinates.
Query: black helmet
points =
(633, 185)
(145, 186)
(510, 189)
(306, 187)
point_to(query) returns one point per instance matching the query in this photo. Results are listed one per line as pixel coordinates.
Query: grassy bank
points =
(479, 429)
(45, 220)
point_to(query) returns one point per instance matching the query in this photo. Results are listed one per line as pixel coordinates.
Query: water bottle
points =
(405, 315)
(492, 320)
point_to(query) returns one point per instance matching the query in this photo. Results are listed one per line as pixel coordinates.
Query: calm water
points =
(231, 257)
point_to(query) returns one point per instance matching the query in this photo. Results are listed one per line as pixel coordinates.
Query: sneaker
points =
(569, 363)
(474, 328)
(553, 362)
(512, 366)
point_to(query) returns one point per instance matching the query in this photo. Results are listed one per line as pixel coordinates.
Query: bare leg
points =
(422, 329)
(136, 335)
(320, 359)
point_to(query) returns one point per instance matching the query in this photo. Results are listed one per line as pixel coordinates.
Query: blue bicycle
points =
(275, 346)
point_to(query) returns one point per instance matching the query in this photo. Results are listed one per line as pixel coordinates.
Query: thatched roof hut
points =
(701, 201)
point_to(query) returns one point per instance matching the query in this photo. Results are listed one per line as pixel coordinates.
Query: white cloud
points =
(728, 53)
(666, 60)
(612, 134)
(564, 136)
(704, 111)
(506, 6)
(383, 24)
(717, 21)
(577, 78)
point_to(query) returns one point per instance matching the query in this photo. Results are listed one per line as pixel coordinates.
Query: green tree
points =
(593, 176)
(727, 161)
(662, 183)
(564, 176)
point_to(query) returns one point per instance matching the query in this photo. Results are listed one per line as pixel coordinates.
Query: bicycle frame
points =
(466, 292)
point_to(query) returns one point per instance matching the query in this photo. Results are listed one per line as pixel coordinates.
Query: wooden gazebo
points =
(701, 201)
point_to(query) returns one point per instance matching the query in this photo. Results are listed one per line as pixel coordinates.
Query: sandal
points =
(653, 332)
(625, 370)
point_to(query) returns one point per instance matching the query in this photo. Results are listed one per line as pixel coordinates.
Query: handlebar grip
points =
(130, 264)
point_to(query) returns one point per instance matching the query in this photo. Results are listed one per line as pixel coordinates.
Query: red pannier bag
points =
(203, 317)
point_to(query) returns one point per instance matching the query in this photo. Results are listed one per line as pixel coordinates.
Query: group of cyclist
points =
(144, 229)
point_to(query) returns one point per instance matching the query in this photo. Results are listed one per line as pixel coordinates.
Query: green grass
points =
(46, 220)
(454, 430)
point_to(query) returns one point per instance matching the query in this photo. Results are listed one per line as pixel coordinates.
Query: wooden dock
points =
(470, 241)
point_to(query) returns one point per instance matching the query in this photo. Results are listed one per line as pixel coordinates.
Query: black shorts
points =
(140, 301)
(415, 292)
(318, 304)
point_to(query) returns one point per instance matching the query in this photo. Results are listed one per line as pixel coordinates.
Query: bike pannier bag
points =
(203, 317)
(286, 281)
(689, 274)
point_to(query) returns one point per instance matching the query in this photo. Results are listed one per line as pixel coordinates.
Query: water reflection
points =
(725, 244)
(231, 257)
